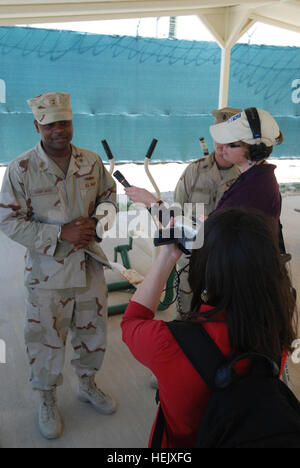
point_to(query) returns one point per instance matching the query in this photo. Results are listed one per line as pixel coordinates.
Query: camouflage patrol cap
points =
(224, 114)
(51, 107)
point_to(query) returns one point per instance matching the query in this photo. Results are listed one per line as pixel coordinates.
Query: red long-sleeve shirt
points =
(183, 393)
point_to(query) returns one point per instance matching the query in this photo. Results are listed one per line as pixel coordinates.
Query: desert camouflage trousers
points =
(52, 314)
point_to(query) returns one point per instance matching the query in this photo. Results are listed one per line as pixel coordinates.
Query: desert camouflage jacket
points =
(36, 198)
(204, 182)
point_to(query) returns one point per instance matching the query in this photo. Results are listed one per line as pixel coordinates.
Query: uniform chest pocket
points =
(87, 184)
(198, 196)
(89, 190)
(43, 191)
(44, 203)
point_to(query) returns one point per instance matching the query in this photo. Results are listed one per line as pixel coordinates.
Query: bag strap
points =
(159, 429)
(208, 360)
(210, 363)
(202, 352)
(200, 349)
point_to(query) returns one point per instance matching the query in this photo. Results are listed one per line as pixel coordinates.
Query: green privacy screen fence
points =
(129, 90)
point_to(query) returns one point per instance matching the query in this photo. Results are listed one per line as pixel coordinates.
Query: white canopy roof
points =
(219, 15)
(227, 20)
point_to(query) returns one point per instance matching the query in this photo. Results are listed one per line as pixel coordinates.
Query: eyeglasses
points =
(234, 145)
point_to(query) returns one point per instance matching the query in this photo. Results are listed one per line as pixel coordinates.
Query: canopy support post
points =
(224, 77)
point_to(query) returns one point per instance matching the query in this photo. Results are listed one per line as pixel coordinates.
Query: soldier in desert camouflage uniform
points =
(48, 203)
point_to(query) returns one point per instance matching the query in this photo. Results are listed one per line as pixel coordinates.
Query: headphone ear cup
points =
(258, 152)
(253, 152)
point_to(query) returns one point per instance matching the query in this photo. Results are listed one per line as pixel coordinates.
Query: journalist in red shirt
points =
(241, 293)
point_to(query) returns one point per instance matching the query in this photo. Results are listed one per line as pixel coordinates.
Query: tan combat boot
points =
(50, 420)
(89, 392)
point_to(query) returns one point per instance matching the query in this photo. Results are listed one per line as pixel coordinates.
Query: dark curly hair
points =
(241, 268)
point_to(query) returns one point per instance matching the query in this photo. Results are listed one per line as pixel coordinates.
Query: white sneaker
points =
(89, 392)
(50, 420)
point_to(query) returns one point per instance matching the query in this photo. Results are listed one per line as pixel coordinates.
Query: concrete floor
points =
(121, 375)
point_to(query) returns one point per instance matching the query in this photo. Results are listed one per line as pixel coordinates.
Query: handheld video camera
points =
(187, 232)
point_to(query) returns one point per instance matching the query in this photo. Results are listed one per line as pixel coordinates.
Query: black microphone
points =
(120, 178)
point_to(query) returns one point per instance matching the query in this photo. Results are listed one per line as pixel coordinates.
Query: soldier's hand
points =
(79, 232)
(86, 222)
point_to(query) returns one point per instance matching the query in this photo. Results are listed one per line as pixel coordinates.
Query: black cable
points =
(176, 286)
